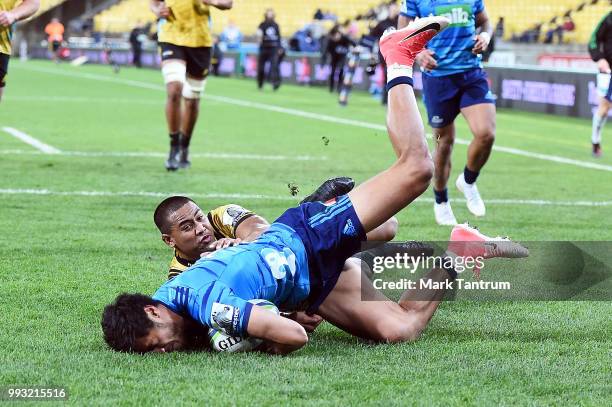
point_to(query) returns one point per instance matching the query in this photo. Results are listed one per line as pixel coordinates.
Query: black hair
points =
(165, 209)
(125, 321)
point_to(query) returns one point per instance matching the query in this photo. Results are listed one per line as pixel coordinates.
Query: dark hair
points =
(125, 321)
(165, 209)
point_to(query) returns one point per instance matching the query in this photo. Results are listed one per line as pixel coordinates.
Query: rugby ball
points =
(221, 342)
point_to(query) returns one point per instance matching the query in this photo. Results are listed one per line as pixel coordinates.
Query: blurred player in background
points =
(55, 37)
(11, 11)
(270, 50)
(185, 42)
(453, 83)
(337, 47)
(600, 48)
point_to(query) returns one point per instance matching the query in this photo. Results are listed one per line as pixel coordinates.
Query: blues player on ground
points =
(185, 43)
(11, 11)
(453, 83)
(299, 263)
(600, 48)
(191, 235)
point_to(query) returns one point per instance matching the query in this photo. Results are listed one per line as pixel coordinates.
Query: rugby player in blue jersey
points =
(300, 262)
(454, 82)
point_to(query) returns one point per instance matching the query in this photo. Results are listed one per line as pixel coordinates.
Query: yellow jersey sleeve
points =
(188, 24)
(226, 219)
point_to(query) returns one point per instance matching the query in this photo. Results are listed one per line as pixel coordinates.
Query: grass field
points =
(77, 229)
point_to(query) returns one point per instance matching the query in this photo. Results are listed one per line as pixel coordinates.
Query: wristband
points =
(485, 36)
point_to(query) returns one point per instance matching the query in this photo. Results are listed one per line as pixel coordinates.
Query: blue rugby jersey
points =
(453, 46)
(216, 289)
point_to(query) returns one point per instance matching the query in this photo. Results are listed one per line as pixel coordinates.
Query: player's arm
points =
(24, 10)
(220, 4)
(595, 45)
(283, 334)
(236, 222)
(486, 30)
(251, 228)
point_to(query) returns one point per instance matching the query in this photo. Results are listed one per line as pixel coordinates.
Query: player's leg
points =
(198, 65)
(174, 71)
(604, 86)
(381, 197)
(275, 76)
(4, 61)
(355, 306)
(442, 98)
(478, 108)
(262, 58)
(444, 139)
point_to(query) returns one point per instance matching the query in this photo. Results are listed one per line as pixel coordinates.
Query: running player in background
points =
(55, 37)
(11, 11)
(453, 83)
(600, 48)
(185, 43)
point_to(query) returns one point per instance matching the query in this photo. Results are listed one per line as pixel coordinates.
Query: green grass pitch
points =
(77, 229)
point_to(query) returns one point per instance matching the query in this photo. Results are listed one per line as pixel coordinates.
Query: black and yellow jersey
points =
(188, 24)
(6, 32)
(224, 221)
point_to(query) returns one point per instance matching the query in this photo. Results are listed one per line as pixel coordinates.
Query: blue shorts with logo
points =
(445, 96)
(608, 96)
(331, 233)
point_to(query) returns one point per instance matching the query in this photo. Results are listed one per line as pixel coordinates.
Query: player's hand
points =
(481, 44)
(6, 18)
(223, 243)
(162, 11)
(426, 60)
(308, 322)
(603, 66)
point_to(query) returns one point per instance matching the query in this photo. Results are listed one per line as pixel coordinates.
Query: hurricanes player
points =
(11, 11)
(185, 43)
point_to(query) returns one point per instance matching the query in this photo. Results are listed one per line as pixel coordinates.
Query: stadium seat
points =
(246, 14)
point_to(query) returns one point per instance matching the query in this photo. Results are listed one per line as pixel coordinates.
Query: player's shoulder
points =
(225, 219)
(177, 266)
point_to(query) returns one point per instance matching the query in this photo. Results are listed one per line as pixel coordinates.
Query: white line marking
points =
(232, 156)
(322, 117)
(45, 148)
(215, 195)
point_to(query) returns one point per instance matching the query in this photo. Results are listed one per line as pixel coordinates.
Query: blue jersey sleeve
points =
(478, 6)
(410, 9)
(219, 308)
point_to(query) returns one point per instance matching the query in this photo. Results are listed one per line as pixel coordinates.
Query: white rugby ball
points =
(221, 342)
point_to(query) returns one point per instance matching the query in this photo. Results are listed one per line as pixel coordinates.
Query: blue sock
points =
(469, 175)
(441, 196)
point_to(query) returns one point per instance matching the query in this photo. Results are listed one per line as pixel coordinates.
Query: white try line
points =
(319, 117)
(232, 156)
(216, 195)
(26, 138)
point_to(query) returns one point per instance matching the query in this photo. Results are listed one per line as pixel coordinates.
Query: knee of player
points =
(486, 135)
(389, 229)
(395, 332)
(420, 169)
(194, 88)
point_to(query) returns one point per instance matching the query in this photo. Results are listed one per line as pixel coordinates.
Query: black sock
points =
(469, 175)
(441, 196)
(185, 141)
(174, 139)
